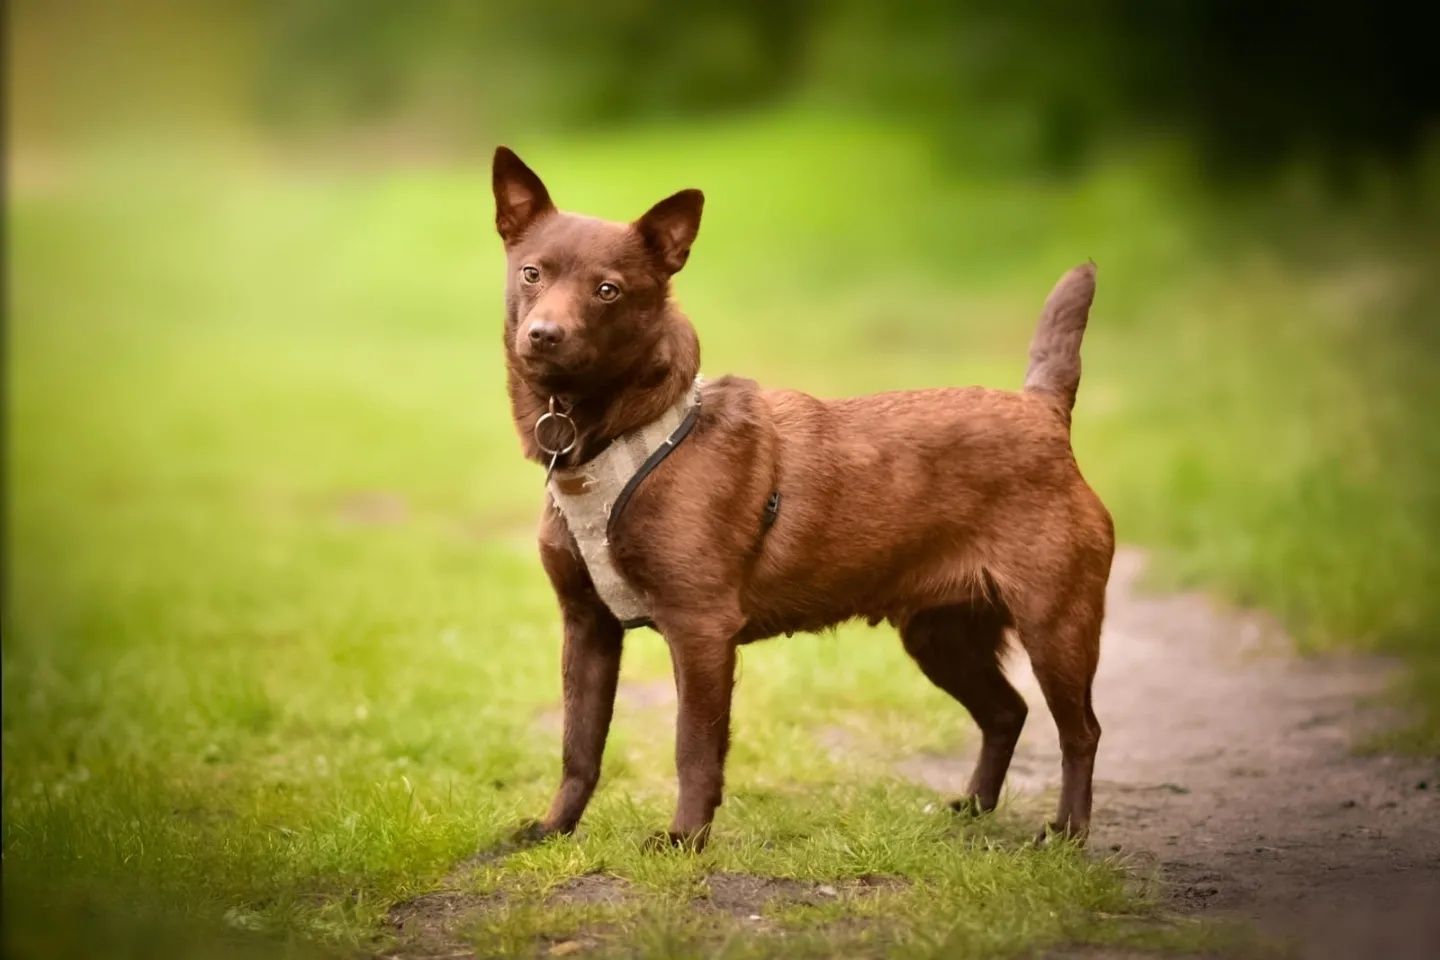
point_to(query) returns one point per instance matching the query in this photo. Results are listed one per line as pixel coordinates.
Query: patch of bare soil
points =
(435, 925)
(1228, 764)
(746, 896)
(588, 889)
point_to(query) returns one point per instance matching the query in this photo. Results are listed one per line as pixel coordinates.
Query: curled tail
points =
(1055, 351)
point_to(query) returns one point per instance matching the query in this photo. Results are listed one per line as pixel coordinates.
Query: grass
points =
(278, 652)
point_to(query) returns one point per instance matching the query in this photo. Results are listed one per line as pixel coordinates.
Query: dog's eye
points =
(607, 291)
(531, 274)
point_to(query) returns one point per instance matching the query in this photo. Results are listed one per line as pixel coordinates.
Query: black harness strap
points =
(771, 512)
(651, 462)
(646, 468)
(767, 519)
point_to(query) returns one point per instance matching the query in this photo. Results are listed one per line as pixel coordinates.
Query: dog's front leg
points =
(704, 664)
(591, 670)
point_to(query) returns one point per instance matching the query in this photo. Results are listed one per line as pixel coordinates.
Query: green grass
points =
(279, 654)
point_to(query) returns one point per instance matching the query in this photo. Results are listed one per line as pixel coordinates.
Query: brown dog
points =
(955, 514)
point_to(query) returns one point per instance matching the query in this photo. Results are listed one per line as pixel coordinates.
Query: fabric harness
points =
(592, 496)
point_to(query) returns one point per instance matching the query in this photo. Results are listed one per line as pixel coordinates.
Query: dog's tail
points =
(1055, 352)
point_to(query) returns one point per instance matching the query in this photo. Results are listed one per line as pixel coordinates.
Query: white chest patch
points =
(588, 495)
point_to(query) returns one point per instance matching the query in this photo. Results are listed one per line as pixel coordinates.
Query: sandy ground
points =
(1229, 764)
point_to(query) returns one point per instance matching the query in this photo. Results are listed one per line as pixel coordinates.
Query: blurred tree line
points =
(1250, 84)
(1045, 82)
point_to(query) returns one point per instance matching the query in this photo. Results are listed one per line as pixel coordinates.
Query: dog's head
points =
(586, 299)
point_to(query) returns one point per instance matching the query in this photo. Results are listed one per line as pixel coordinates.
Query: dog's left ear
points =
(520, 197)
(669, 228)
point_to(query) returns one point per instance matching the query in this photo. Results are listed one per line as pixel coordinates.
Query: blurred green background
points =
(274, 630)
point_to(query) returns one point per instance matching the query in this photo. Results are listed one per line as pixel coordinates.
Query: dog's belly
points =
(872, 585)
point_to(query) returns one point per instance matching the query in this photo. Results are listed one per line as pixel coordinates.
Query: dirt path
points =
(1228, 763)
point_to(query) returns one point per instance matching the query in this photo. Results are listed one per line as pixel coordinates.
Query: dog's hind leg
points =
(958, 648)
(1064, 652)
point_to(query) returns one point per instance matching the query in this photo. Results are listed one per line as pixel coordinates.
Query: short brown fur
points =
(956, 514)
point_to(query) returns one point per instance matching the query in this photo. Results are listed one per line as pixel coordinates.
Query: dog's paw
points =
(527, 834)
(530, 833)
(968, 807)
(1053, 833)
(660, 841)
(666, 841)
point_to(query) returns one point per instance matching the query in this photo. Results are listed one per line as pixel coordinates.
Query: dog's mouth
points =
(552, 375)
(548, 365)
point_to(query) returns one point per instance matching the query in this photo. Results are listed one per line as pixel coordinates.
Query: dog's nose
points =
(544, 335)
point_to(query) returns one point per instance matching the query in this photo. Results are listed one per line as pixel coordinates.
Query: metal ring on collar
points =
(559, 417)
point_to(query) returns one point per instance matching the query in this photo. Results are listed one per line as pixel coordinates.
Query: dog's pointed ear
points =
(669, 228)
(520, 197)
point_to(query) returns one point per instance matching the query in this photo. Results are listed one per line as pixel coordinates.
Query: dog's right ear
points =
(520, 197)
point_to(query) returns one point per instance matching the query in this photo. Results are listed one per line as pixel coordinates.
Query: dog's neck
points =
(603, 409)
